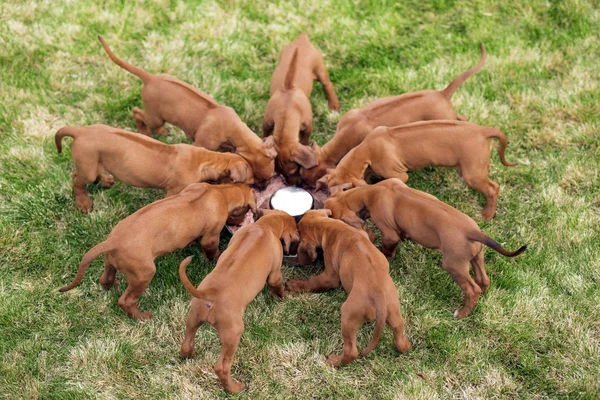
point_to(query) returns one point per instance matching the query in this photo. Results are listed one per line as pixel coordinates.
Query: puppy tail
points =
(492, 244)
(380, 318)
(70, 131)
(140, 73)
(496, 133)
(94, 252)
(200, 294)
(291, 74)
(459, 80)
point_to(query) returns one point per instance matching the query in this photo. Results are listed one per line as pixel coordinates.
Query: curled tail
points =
(70, 131)
(291, 74)
(492, 244)
(496, 133)
(380, 318)
(94, 252)
(459, 80)
(140, 73)
(200, 294)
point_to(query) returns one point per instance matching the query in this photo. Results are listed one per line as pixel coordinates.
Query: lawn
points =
(534, 334)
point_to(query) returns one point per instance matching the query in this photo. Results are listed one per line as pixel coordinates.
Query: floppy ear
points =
(352, 219)
(264, 211)
(359, 183)
(307, 253)
(340, 188)
(321, 183)
(305, 156)
(288, 238)
(315, 147)
(239, 172)
(269, 147)
(252, 204)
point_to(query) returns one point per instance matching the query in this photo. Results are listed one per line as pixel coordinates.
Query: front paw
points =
(296, 286)
(84, 205)
(334, 360)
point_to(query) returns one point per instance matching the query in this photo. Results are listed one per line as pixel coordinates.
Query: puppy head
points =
(237, 216)
(340, 210)
(240, 172)
(290, 237)
(268, 147)
(305, 156)
(307, 252)
(310, 176)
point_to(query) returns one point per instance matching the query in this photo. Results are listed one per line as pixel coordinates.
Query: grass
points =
(535, 333)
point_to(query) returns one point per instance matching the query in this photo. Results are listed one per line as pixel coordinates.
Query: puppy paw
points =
(334, 360)
(106, 181)
(235, 387)
(84, 205)
(162, 131)
(487, 215)
(141, 316)
(402, 344)
(295, 286)
(186, 353)
(461, 313)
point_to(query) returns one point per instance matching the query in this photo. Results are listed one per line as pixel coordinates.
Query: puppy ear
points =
(352, 219)
(307, 252)
(264, 211)
(305, 156)
(268, 146)
(340, 188)
(359, 183)
(239, 172)
(252, 203)
(288, 238)
(315, 147)
(321, 183)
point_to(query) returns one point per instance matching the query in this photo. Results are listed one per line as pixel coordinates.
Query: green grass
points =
(534, 334)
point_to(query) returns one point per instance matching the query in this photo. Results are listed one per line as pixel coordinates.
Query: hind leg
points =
(210, 246)
(230, 333)
(481, 277)
(82, 199)
(137, 281)
(389, 241)
(396, 323)
(107, 280)
(479, 180)
(459, 271)
(353, 317)
(323, 77)
(194, 322)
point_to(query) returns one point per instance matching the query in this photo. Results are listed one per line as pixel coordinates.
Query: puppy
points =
(351, 259)
(254, 255)
(289, 112)
(404, 213)
(199, 211)
(143, 162)
(208, 124)
(356, 124)
(391, 152)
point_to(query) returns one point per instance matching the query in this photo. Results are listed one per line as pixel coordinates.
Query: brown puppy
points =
(391, 152)
(351, 259)
(356, 124)
(201, 210)
(289, 111)
(143, 162)
(401, 212)
(208, 124)
(253, 256)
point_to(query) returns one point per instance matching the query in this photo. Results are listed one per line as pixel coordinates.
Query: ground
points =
(534, 334)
